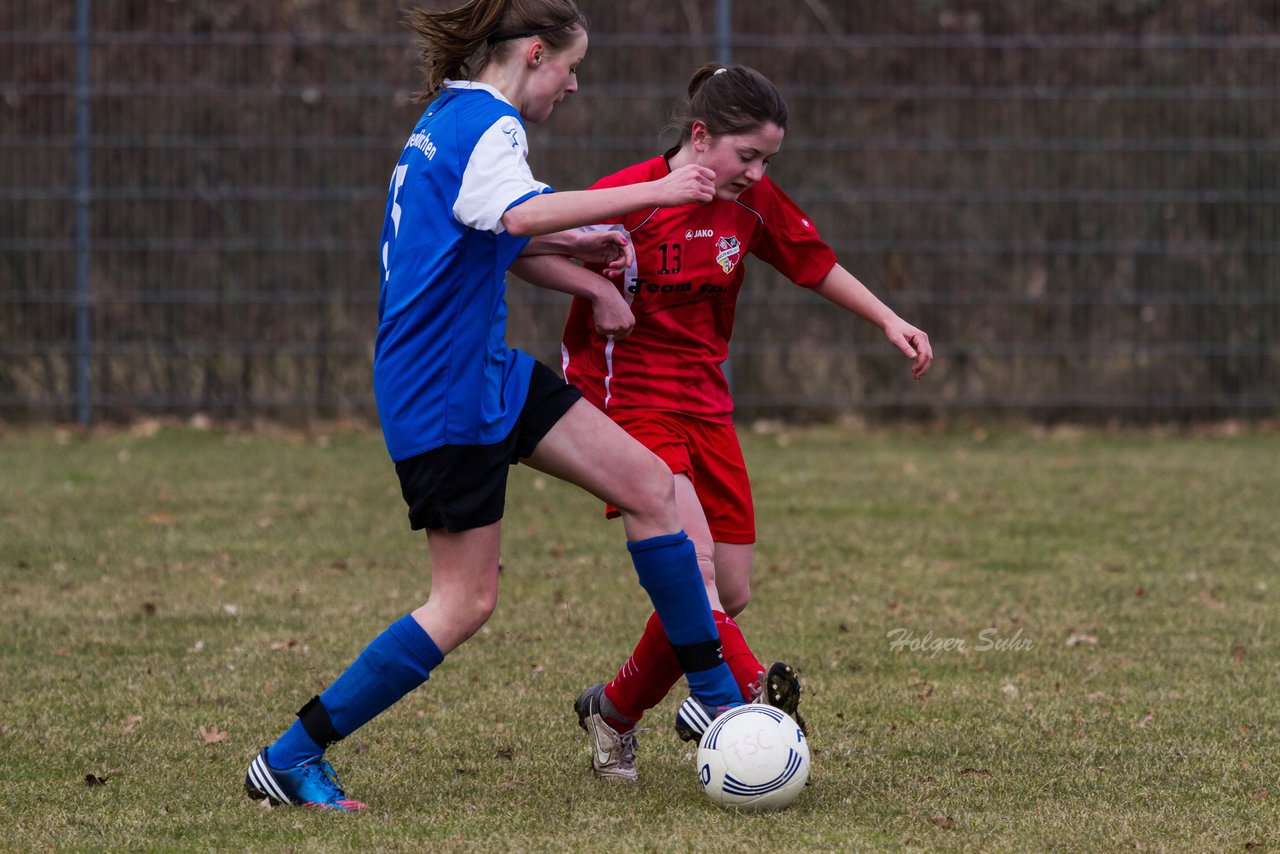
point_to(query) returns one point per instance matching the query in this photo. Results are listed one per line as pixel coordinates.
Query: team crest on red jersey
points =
(727, 252)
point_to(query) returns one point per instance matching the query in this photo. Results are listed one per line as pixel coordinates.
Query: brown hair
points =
(729, 100)
(457, 43)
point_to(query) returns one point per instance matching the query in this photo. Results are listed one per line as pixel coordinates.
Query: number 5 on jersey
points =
(397, 181)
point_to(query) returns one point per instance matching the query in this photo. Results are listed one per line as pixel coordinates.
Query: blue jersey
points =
(442, 371)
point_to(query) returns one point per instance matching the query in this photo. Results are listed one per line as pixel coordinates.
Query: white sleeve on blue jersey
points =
(496, 177)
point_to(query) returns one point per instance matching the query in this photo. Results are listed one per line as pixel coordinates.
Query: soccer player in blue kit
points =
(458, 407)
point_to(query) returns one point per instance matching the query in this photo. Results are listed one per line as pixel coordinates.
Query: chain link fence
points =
(1077, 200)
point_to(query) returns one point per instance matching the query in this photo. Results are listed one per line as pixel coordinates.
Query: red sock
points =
(741, 660)
(648, 675)
(652, 671)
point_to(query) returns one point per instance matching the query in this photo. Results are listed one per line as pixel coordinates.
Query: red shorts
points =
(710, 456)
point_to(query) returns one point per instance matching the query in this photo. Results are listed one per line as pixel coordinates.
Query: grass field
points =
(169, 597)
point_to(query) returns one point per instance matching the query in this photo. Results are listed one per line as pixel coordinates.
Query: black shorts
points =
(459, 487)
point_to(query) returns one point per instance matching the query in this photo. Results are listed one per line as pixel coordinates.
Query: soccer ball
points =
(753, 758)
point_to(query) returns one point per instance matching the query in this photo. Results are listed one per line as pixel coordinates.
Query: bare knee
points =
(735, 601)
(651, 493)
(452, 616)
(476, 609)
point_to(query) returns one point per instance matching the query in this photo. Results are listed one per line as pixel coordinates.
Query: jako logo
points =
(702, 232)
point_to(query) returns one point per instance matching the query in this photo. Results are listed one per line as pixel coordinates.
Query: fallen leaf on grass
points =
(4, 730)
(212, 735)
(1238, 652)
(198, 646)
(945, 822)
(1210, 598)
(162, 519)
(1075, 639)
(1150, 716)
(1261, 795)
(131, 723)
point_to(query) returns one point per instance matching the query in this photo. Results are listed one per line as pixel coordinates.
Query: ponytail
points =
(457, 43)
(730, 99)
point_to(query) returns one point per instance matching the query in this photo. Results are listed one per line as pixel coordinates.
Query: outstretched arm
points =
(840, 287)
(556, 273)
(550, 212)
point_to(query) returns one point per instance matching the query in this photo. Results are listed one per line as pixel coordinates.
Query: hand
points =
(606, 248)
(686, 185)
(611, 313)
(913, 342)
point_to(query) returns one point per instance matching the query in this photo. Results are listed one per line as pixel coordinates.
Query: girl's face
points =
(553, 77)
(739, 160)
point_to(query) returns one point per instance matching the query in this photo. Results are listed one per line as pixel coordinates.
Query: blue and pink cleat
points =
(313, 784)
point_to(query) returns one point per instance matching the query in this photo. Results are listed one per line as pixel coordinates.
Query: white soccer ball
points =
(753, 758)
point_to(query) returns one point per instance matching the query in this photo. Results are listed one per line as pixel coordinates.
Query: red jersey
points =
(690, 263)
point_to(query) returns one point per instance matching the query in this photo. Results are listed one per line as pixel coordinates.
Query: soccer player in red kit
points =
(663, 382)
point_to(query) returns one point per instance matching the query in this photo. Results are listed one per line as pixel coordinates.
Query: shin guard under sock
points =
(397, 661)
(668, 569)
(649, 674)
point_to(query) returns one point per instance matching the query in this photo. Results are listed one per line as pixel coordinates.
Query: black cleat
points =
(782, 690)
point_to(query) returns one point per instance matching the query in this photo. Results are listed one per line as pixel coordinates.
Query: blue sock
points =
(397, 661)
(668, 570)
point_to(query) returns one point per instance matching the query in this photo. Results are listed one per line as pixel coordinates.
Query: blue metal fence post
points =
(724, 31)
(84, 295)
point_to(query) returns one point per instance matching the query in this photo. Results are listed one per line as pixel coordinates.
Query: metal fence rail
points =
(1077, 200)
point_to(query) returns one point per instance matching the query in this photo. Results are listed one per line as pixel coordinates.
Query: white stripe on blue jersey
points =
(496, 175)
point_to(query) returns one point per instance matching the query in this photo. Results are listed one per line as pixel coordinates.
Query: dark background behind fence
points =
(1077, 200)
